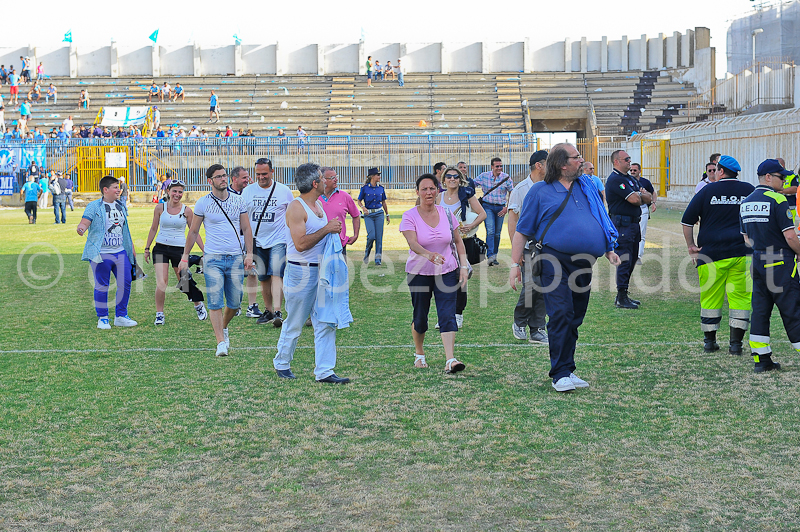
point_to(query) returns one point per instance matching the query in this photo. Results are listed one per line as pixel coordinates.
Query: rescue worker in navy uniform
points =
(720, 255)
(766, 222)
(625, 198)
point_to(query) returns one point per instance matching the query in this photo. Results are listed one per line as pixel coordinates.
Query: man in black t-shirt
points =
(625, 198)
(720, 255)
(766, 222)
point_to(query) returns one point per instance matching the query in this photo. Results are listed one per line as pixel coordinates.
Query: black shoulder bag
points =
(492, 189)
(536, 251)
(261, 216)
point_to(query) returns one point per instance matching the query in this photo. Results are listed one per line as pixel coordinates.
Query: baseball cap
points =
(730, 163)
(771, 166)
(537, 156)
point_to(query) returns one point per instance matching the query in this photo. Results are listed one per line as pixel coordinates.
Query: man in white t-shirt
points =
(68, 125)
(238, 179)
(268, 222)
(225, 257)
(530, 309)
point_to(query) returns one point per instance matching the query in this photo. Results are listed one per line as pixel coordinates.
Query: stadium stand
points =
(342, 105)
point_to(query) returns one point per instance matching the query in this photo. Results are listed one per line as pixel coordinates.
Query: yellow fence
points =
(92, 165)
(655, 163)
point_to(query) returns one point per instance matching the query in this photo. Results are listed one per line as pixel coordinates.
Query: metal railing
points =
(401, 159)
(769, 82)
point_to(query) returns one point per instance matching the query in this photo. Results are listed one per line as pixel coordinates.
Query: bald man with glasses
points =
(625, 198)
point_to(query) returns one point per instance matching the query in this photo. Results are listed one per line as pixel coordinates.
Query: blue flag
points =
(154, 36)
(68, 36)
(236, 39)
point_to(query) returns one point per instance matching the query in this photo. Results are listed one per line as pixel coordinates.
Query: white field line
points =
(345, 347)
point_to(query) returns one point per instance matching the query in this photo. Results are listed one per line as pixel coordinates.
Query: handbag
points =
(536, 251)
(476, 249)
(453, 247)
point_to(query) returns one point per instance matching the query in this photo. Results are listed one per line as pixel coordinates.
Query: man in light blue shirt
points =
(588, 169)
(30, 193)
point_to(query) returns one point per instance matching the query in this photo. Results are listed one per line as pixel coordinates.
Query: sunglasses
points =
(177, 183)
(263, 160)
(451, 176)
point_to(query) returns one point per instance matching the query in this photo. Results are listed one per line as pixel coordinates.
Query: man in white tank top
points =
(308, 226)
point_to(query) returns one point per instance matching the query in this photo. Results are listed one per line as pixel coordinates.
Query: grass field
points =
(144, 429)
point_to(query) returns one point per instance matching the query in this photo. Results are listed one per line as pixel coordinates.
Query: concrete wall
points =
(676, 51)
(750, 139)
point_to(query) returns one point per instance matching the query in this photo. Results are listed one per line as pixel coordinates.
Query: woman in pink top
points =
(433, 269)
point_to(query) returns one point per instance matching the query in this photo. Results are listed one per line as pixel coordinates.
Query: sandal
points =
(419, 361)
(454, 366)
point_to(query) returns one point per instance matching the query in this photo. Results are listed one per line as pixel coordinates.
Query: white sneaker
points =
(577, 381)
(222, 349)
(564, 384)
(519, 332)
(459, 320)
(159, 318)
(227, 339)
(124, 321)
(102, 323)
(201, 311)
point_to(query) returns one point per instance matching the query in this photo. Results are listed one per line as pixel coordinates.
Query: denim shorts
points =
(270, 261)
(224, 277)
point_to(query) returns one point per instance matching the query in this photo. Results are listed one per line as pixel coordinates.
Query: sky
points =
(206, 22)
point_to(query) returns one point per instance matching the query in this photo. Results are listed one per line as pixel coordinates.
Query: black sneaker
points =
(266, 317)
(277, 321)
(253, 311)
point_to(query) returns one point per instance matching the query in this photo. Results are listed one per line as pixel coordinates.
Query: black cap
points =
(537, 156)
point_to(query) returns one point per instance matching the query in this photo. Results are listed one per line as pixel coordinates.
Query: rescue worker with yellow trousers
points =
(720, 255)
(766, 221)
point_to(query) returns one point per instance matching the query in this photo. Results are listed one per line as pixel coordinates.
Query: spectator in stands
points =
(85, 133)
(166, 92)
(38, 135)
(160, 132)
(3, 74)
(68, 124)
(213, 103)
(497, 186)
(369, 71)
(52, 92)
(378, 70)
(2, 120)
(106, 133)
(400, 69)
(83, 101)
(228, 132)
(40, 72)
(153, 92)
(178, 93)
(35, 93)
(156, 117)
(98, 133)
(13, 90)
(282, 140)
(301, 136)
(389, 71)
(25, 70)
(120, 133)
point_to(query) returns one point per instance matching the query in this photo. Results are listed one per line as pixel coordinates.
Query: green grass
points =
(144, 429)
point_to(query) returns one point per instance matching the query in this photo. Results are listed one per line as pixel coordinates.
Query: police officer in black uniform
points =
(625, 198)
(766, 221)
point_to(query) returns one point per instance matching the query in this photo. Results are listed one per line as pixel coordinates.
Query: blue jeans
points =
(374, 223)
(60, 205)
(300, 289)
(224, 277)
(494, 228)
(120, 266)
(400, 79)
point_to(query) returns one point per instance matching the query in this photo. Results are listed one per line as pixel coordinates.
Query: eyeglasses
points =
(452, 176)
(223, 176)
(263, 160)
(627, 159)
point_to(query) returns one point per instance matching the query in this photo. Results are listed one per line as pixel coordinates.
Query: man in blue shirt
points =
(566, 267)
(213, 103)
(766, 222)
(625, 198)
(30, 193)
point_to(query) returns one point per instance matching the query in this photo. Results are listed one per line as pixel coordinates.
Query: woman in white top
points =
(170, 220)
(457, 194)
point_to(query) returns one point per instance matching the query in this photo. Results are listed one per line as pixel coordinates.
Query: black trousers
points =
(630, 234)
(775, 283)
(30, 209)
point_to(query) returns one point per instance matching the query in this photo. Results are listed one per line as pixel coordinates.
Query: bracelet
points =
(515, 265)
(184, 260)
(147, 249)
